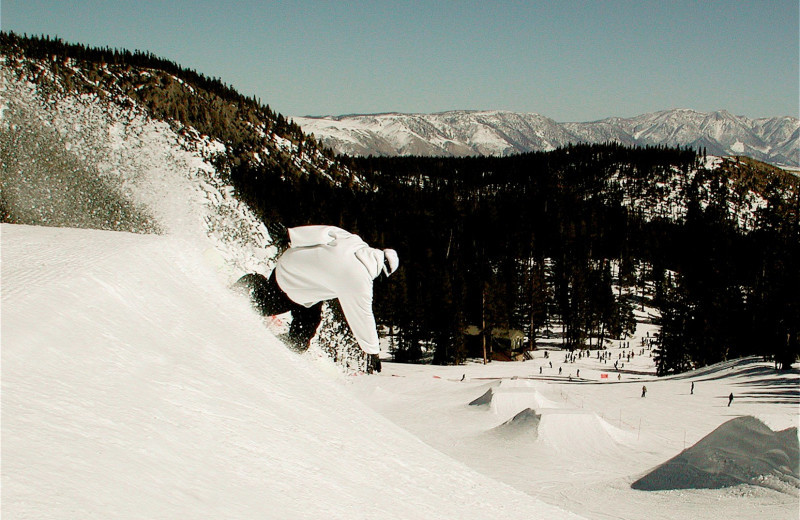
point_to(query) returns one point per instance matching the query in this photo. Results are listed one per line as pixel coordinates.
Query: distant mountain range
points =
(462, 133)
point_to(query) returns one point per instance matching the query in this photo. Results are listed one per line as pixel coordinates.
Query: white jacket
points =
(326, 262)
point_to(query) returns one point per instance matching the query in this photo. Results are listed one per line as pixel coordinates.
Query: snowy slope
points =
(136, 385)
(774, 140)
(596, 436)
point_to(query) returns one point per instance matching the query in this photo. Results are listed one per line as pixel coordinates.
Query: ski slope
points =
(135, 385)
(580, 443)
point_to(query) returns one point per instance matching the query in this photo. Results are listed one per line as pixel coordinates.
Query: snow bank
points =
(741, 451)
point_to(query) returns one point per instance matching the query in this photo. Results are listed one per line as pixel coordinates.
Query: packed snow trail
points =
(136, 385)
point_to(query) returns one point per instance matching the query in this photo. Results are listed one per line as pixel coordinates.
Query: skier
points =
(321, 263)
(730, 399)
(644, 391)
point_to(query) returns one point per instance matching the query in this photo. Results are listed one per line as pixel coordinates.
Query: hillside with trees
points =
(577, 237)
(570, 240)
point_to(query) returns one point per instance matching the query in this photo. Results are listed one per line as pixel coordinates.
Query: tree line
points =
(547, 239)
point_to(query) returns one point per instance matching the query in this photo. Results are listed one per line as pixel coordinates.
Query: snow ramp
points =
(136, 385)
(549, 425)
(569, 434)
(510, 396)
(578, 433)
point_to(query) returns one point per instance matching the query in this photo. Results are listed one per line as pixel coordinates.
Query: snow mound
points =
(525, 422)
(579, 433)
(555, 428)
(510, 396)
(741, 451)
(569, 433)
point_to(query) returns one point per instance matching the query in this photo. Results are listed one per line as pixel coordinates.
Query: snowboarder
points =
(730, 399)
(321, 263)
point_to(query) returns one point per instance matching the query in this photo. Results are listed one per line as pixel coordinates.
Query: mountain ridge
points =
(499, 132)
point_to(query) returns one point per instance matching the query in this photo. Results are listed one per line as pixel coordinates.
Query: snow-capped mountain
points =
(457, 133)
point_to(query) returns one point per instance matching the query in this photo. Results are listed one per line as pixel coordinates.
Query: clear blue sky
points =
(569, 60)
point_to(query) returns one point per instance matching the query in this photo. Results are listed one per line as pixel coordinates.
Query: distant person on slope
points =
(321, 263)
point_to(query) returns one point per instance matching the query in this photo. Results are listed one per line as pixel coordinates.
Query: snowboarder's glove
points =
(279, 235)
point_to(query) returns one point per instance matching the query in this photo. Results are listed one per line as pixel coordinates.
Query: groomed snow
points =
(135, 385)
(595, 436)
